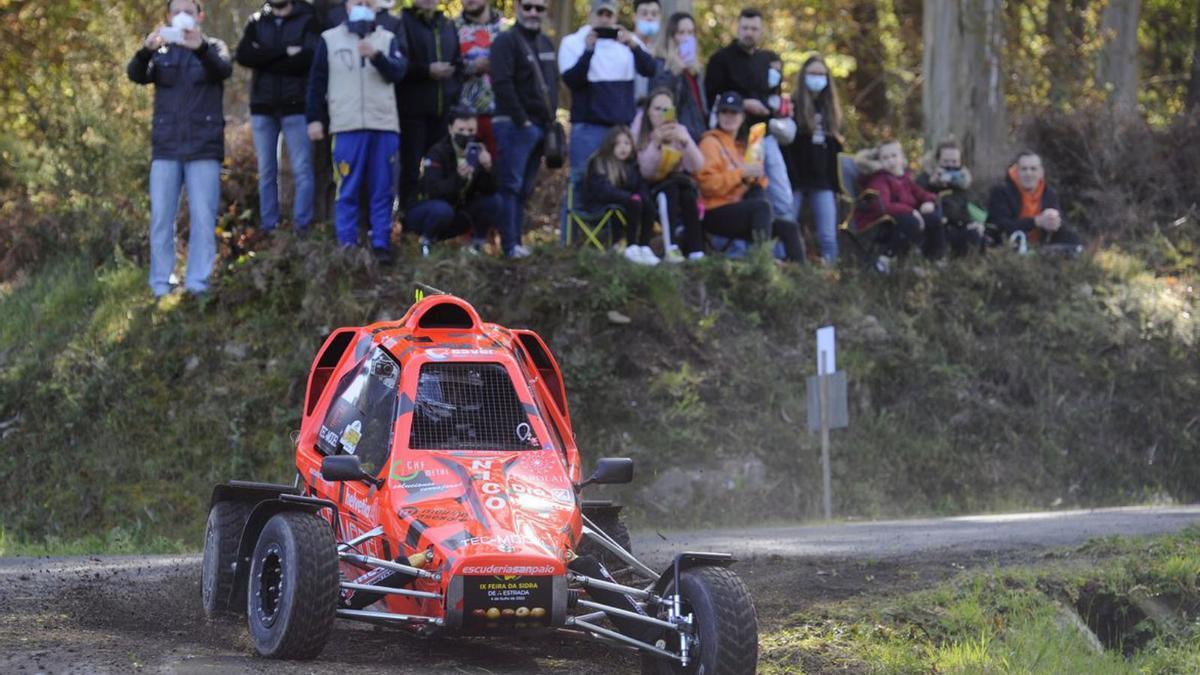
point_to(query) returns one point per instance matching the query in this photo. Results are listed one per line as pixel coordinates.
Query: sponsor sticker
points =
(510, 601)
(441, 354)
(359, 505)
(351, 435)
(502, 570)
(433, 514)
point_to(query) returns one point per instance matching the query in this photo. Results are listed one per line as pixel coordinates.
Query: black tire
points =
(221, 539)
(292, 592)
(726, 624)
(612, 525)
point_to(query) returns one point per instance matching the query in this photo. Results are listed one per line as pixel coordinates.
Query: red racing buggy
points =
(437, 489)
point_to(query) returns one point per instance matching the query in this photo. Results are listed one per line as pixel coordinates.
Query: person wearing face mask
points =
(457, 189)
(680, 70)
(432, 85)
(477, 27)
(277, 45)
(743, 66)
(598, 64)
(1025, 203)
(525, 79)
(904, 213)
(188, 70)
(812, 156)
(351, 96)
(647, 24)
(946, 175)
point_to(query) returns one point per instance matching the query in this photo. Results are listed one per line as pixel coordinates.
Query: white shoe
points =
(648, 257)
(695, 256)
(883, 264)
(519, 251)
(673, 255)
(633, 253)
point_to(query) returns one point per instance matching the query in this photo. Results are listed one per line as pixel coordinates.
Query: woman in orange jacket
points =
(733, 191)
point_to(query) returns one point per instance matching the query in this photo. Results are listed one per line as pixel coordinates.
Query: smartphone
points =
(669, 114)
(473, 150)
(606, 33)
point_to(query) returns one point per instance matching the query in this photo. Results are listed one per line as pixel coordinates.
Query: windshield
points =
(469, 406)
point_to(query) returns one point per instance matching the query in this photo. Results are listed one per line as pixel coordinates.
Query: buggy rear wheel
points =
(221, 538)
(725, 623)
(292, 593)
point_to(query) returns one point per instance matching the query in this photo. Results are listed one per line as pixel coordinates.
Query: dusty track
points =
(117, 614)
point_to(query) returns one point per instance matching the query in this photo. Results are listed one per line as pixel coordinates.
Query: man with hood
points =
(277, 46)
(1024, 203)
(430, 89)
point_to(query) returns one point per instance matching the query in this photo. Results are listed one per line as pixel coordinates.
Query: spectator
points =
(950, 180)
(1025, 203)
(188, 70)
(647, 20)
(525, 80)
(457, 188)
(812, 157)
(358, 98)
(477, 29)
(911, 214)
(431, 86)
(679, 70)
(734, 203)
(743, 67)
(278, 45)
(668, 158)
(598, 63)
(613, 178)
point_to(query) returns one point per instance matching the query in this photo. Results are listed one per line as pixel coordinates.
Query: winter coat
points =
(279, 82)
(954, 195)
(1004, 208)
(734, 69)
(189, 120)
(650, 157)
(897, 195)
(513, 79)
(813, 166)
(720, 179)
(429, 41)
(599, 189)
(601, 79)
(440, 178)
(352, 93)
(691, 98)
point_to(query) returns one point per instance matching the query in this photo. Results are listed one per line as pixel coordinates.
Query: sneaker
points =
(383, 256)
(517, 252)
(477, 246)
(424, 247)
(883, 264)
(673, 255)
(695, 256)
(648, 257)
(633, 253)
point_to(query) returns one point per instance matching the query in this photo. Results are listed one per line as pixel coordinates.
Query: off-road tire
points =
(725, 621)
(221, 539)
(612, 525)
(292, 591)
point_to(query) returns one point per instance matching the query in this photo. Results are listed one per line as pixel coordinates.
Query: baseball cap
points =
(730, 100)
(610, 5)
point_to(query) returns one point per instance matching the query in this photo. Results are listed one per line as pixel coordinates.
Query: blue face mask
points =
(647, 28)
(816, 83)
(773, 78)
(360, 13)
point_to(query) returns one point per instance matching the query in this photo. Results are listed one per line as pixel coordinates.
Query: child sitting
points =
(906, 214)
(947, 177)
(613, 178)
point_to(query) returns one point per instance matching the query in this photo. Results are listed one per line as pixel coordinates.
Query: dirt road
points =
(119, 614)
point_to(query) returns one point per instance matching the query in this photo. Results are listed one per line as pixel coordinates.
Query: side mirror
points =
(344, 467)
(611, 471)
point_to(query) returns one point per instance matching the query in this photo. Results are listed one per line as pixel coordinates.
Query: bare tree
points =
(1193, 90)
(1117, 64)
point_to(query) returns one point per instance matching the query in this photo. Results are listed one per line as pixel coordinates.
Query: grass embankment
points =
(1111, 606)
(996, 384)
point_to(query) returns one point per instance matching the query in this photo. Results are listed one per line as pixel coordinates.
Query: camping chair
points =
(853, 199)
(593, 227)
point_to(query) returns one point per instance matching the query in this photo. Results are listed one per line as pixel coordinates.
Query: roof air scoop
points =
(443, 312)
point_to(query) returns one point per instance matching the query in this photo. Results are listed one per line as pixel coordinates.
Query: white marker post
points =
(826, 366)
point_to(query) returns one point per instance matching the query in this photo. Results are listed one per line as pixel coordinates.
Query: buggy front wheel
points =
(726, 626)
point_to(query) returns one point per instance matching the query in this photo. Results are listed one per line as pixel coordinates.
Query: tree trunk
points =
(562, 20)
(868, 82)
(1116, 67)
(963, 93)
(1193, 90)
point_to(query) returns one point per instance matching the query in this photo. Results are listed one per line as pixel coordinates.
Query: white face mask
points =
(360, 13)
(183, 21)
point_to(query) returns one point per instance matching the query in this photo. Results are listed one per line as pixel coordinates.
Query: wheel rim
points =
(270, 585)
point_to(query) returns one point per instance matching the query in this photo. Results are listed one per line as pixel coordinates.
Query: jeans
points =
(824, 209)
(520, 152)
(202, 178)
(267, 129)
(585, 140)
(370, 157)
(779, 186)
(437, 220)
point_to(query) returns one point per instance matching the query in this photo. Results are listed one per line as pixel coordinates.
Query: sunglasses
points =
(533, 8)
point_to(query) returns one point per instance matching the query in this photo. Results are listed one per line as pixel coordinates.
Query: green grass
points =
(989, 385)
(1004, 620)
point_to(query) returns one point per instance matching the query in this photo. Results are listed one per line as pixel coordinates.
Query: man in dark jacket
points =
(430, 88)
(278, 46)
(523, 111)
(1025, 203)
(744, 67)
(188, 71)
(457, 188)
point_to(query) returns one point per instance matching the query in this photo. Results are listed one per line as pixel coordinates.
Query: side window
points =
(361, 418)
